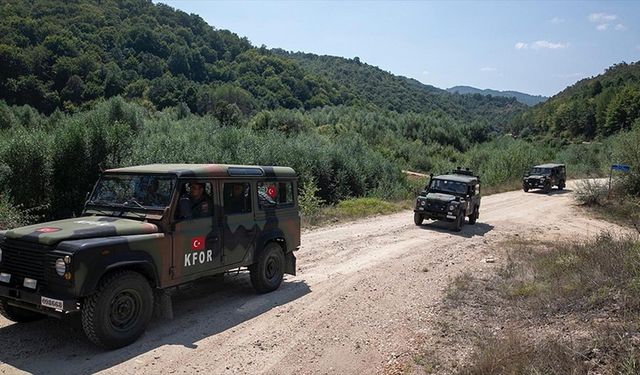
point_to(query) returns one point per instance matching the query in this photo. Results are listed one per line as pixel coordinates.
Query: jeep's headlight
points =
(452, 207)
(61, 267)
(422, 203)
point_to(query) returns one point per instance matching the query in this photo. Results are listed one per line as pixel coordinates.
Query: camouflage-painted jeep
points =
(450, 197)
(144, 231)
(544, 177)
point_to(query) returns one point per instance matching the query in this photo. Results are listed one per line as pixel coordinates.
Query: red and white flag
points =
(197, 243)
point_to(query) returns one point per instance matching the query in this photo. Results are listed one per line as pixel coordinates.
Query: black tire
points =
(526, 189)
(474, 216)
(459, 223)
(119, 311)
(561, 185)
(547, 188)
(268, 271)
(418, 218)
(17, 314)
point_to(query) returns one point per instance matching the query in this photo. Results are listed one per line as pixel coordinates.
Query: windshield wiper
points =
(134, 201)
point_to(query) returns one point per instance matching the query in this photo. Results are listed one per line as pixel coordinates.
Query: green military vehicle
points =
(544, 177)
(144, 231)
(450, 197)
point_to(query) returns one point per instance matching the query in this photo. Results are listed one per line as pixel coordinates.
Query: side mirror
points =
(184, 208)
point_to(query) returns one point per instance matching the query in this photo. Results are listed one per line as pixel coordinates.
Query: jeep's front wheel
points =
(459, 223)
(474, 216)
(119, 311)
(547, 188)
(17, 314)
(418, 218)
(526, 189)
(268, 271)
(561, 185)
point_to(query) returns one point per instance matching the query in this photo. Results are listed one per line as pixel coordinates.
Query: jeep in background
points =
(450, 197)
(544, 177)
(144, 231)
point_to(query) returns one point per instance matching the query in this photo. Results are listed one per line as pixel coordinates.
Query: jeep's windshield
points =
(541, 171)
(447, 186)
(137, 191)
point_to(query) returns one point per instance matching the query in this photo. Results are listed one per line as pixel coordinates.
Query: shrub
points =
(591, 192)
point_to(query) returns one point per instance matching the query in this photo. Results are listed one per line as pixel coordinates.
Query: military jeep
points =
(450, 197)
(146, 230)
(544, 177)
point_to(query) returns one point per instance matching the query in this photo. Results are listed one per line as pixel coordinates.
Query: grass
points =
(564, 308)
(352, 209)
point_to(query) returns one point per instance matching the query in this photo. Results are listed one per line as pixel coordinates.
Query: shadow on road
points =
(552, 192)
(468, 231)
(207, 309)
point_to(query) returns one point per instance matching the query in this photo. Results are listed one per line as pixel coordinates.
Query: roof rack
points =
(461, 171)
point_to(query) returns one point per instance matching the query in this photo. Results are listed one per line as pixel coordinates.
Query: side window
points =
(196, 200)
(237, 198)
(275, 194)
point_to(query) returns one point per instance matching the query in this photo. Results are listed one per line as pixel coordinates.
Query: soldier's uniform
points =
(201, 207)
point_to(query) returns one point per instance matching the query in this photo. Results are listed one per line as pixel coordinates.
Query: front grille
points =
(24, 259)
(437, 206)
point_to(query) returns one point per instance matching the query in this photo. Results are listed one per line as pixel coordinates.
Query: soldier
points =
(200, 200)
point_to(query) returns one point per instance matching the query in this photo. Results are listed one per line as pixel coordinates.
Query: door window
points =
(237, 198)
(272, 194)
(196, 200)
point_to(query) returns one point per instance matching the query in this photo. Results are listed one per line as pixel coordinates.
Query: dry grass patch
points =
(551, 308)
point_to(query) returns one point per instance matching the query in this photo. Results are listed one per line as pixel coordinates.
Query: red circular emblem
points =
(48, 229)
(271, 191)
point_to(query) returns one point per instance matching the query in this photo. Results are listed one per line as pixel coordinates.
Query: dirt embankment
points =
(365, 298)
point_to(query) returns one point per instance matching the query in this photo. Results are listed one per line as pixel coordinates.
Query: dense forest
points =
(595, 107)
(402, 94)
(90, 85)
(521, 97)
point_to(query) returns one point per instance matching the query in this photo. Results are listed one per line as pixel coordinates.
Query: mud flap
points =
(290, 263)
(163, 307)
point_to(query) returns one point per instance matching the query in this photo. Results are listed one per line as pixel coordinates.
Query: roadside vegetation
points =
(341, 153)
(569, 307)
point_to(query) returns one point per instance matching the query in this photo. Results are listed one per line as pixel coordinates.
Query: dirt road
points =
(364, 298)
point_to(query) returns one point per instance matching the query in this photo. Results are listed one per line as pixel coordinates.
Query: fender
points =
(93, 258)
(136, 261)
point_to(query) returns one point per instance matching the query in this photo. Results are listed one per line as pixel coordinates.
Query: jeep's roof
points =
(549, 165)
(457, 177)
(209, 170)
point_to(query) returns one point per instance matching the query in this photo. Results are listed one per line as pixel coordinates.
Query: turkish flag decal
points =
(197, 243)
(271, 191)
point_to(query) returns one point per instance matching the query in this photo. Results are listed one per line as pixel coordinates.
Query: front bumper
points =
(446, 216)
(46, 304)
(536, 184)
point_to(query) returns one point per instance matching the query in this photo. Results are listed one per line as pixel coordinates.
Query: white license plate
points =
(450, 217)
(53, 303)
(421, 208)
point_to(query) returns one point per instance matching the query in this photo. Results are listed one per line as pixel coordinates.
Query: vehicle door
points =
(239, 229)
(196, 233)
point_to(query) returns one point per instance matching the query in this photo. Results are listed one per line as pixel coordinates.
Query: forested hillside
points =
(520, 96)
(403, 94)
(59, 54)
(66, 55)
(595, 107)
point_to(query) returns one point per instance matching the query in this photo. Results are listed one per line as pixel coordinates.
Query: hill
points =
(69, 55)
(523, 98)
(594, 107)
(401, 94)
(59, 54)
